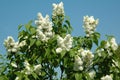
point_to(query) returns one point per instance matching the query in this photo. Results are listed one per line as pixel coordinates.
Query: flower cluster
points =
(111, 44)
(78, 64)
(17, 78)
(29, 69)
(37, 69)
(89, 25)
(92, 74)
(100, 51)
(84, 61)
(58, 10)
(13, 46)
(64, 44)
(107, 77)
(44, 27)
(14, 65)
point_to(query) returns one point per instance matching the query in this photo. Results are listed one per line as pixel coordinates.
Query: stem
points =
(61, 67)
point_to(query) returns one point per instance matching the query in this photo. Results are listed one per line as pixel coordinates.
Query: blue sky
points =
(15, 12)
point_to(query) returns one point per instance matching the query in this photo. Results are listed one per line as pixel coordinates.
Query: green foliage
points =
(38, 59)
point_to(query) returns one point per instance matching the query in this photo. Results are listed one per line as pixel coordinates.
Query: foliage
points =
(48, 45)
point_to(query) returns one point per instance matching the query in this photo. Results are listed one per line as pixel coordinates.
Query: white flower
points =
(99, 52)
(26, 63)
(11, 45)
(115, 63)
(107, 77)
(23, 43)
(44, 27)
(58, 10)
(37, 68)
(80, 68)
(92, 74)
(14, 65)
(84, 53)
(78, 64)
(43, 23)
(87, 53)
(113, 44)
(78, 60)
(64, 43)
(17, 78)
(41, 35)
(89, 24)
(60, 41)
(107, 45)
(58, 50)
(86, 57)
(68, 41)
(28, 69)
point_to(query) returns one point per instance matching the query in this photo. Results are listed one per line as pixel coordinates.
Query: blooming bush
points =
(48, 45)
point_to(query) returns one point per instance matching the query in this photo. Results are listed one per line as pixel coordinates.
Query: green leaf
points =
(20, 26)
(65, 62)
(3, 78)
(78, 76)
(96, 37)
(27, 26)
(103, 43)
(68, 26)
(95, 40)
(26, 78)
(38, 43)
(2, 69)
(68, 23)
(72, 53)
(32, 30)
(63, 53)
(34, 75)
(87, 76)
(88, 43)
(47, 54)
(32, 41)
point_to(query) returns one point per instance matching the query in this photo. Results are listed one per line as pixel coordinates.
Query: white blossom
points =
(99, 52)
(44, 27)
(107, 44)
(11, 45)
(107, 77)
(92, 74)
(86, 57)
(111, 44)
(86, 53)
(115, 63)
(58, 10)
(90, 25)
(43, 23)
(64, 43)
(40, 35)
(23, 43)
(78, 64)
(58, 50)
(17, 78)
(28, 69)
(37, 69)
(14, 65)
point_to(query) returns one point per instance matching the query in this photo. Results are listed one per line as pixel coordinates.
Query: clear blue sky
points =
(15, 12)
